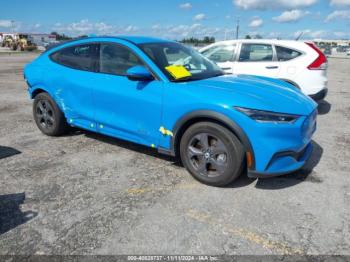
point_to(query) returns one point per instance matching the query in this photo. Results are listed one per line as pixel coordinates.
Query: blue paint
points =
(135, 110)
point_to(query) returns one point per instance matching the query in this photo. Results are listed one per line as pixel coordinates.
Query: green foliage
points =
(61, 37)
(195, 41)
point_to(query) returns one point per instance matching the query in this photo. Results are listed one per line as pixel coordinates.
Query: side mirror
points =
(139, 73)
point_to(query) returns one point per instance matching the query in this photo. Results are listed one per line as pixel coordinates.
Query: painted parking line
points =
(253, 237)
(144, 190)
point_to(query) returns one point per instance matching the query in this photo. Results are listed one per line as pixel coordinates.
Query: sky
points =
(176, 19)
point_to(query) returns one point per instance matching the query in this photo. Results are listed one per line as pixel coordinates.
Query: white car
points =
(301, 64)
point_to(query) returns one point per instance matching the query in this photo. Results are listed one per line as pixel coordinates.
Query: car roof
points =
(262, 41)
(133, 39)
(141, 39)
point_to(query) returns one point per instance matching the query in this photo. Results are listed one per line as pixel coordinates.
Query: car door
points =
(73, 73)
(223, 55)
(257, 59)
(126, 109)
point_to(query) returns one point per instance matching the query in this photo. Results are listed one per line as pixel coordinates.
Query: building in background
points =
(42, 39)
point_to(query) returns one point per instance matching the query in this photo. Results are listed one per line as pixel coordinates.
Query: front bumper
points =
(320, 95)
(284, 162)
(282, 148)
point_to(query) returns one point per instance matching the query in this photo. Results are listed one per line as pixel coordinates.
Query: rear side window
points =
(256, 53)
(286, 54)
(116, 59)
(81, 57)
(221, 53)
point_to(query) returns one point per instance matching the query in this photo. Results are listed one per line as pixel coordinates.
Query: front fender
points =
(207, 115)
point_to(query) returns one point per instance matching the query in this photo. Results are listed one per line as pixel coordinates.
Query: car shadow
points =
(11, 215)
(305, 174)
(6, 151)
(130, 146)
(280, 182)
(323, 107)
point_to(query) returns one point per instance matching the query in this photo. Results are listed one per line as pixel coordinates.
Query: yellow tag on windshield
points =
(178, 71)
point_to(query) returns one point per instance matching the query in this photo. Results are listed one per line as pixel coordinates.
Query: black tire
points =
(220, 161)
(48, 117)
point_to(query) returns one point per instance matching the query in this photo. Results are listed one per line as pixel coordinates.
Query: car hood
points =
(260, 93)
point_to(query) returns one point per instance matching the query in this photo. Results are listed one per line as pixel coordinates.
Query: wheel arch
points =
(206, 115)
(35, 90)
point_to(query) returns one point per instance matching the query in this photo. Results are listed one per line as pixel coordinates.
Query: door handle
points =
(271, 67)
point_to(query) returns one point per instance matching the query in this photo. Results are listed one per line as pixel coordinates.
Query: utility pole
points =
(12, 26)
(237, 28)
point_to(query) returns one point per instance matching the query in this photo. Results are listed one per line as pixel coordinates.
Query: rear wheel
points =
(211, 153)
(48, 117)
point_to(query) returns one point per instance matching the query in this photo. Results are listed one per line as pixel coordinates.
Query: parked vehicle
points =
(7, 40)
(301, 64)
(21, 43)
(164, 95)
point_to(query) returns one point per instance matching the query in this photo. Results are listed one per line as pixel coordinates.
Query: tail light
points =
(321, 61)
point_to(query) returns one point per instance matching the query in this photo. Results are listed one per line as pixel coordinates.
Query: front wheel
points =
(211, 153)
(48, 117)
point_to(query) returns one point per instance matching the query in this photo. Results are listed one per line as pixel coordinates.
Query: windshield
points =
(180, 63)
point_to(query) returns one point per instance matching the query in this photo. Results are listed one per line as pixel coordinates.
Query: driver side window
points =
(179, 57)
(116, 59)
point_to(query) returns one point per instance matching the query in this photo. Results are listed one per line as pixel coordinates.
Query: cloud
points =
(199, 17)
(340, 2)
(5, 23)
(339, 14)
(322, 34)
(290, 16)
(307, 33)
(273, 4)
(256, 22)
(186, 6)
(85, 26)
(131, 28)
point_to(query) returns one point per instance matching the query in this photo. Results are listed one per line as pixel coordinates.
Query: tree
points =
(195, 41)
(248, 37)
(61, 37)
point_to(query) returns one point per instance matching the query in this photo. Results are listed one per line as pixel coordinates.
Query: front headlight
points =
(267, 116)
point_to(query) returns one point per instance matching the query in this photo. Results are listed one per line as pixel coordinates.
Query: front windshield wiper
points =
(193, 78)
(183, 79)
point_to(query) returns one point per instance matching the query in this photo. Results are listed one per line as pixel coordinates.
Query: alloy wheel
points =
(45, 114)
(208, 155)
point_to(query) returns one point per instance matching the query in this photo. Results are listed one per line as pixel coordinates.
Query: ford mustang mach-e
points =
(164, 95)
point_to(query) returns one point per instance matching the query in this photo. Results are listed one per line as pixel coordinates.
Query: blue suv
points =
(164, 95)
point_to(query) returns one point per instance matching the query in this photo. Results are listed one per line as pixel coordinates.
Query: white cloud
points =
(5, 23)
(256, 22)
(307, 33)
(131, 28)
(156, 27)
(186, 6)
(273, 4)
(290, 16)
(199, 17)
(339, 14)
(321, 34)
(85, 26)
(340, 2)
